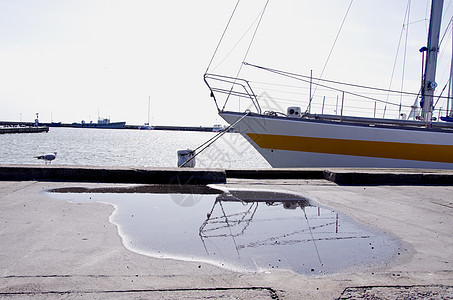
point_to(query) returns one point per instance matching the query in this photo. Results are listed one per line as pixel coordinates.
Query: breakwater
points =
(23, 129)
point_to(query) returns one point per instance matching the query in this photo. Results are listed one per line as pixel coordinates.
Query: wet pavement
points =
(70, 249)
(240, 230)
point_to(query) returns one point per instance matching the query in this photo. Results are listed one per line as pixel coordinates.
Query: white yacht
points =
(298, 138)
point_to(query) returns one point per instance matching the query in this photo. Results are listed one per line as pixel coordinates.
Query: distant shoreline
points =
(23, 129)
(137, 127)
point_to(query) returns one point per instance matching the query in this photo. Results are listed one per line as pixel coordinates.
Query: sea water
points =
(127, 148)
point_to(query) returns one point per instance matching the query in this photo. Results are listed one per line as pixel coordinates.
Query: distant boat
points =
(102, 123)
(55, 124)
(147, 126)
(218, 127)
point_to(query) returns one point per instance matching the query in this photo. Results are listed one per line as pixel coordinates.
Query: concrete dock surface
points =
(53, 249)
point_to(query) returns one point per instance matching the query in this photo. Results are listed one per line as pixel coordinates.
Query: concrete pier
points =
(111, 175)
(208, 176)
(52, 249)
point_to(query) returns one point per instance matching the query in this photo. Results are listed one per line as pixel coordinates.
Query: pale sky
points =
(72, 59)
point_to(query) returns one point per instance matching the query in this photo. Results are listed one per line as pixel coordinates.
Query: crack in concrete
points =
(272, 292)
(18, 187)
(379, 292)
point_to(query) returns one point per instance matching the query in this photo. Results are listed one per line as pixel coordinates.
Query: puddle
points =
(239, 230)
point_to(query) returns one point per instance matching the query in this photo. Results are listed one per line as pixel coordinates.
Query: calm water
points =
(127, 148)
(242, 230)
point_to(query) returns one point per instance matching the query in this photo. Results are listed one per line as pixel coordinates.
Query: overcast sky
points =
(71, 60)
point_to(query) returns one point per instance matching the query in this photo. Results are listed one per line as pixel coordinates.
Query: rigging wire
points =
(300, 78)
(445, 51)
(404, 56)
(237, 43)
(303, 88)
(427, 10)
(419, 21)
(247, 52)
(297, 76)
(253, 37)
(447, 30)
(331, 49)
(406, 17)
(446, 10)
(223, 34)
(438, 98)
(446, 70)
(312, 237)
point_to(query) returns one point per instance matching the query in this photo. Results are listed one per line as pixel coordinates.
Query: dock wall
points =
(183, 176)
(110, 175)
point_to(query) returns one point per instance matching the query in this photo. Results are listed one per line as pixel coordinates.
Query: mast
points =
(149, 102)
(450, 83)
(429, 83)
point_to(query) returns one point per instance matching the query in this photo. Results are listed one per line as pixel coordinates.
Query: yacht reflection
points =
(265, 196)
(242, 230)
(222, 224)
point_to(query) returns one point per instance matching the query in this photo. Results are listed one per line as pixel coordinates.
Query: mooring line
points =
(213, 139)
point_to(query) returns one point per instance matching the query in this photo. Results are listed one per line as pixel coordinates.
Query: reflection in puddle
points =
(241, 230)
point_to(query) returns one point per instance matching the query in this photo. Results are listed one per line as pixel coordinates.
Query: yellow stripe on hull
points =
(378, 149)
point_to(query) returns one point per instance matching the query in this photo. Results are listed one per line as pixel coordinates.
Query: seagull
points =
(47, 157)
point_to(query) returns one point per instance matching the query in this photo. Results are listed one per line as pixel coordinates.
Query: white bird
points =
(47, 157)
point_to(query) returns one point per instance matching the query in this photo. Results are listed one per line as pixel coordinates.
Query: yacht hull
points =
(295, 142)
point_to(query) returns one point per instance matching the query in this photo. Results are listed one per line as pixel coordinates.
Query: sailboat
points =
(146, 126)
(301, 139)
